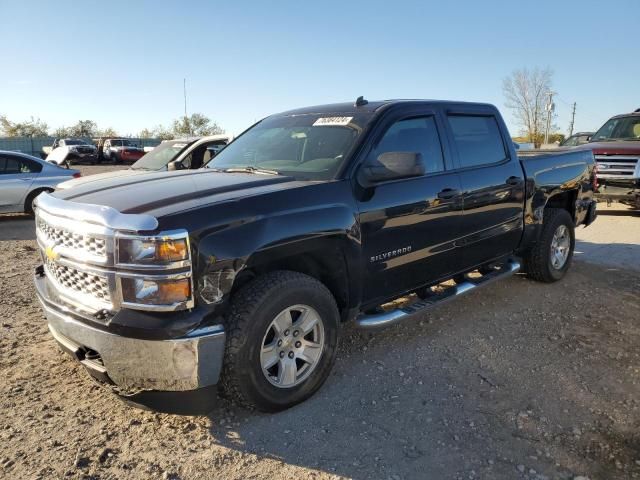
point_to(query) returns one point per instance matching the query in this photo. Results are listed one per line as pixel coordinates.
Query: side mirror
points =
(391, 166)
(516, 146)
(175, 165)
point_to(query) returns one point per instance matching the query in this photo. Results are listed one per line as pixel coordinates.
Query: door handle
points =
(447, 193)
(513, 180)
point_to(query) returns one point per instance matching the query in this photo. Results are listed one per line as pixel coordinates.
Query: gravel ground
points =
(518, 381)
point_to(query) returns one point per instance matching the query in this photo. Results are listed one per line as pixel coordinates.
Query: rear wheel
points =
(550, 257)
(282, 335)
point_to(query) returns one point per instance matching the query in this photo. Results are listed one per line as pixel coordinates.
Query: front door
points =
(15, 179)
(409, 226)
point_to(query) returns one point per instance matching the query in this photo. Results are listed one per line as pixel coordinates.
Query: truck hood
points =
(100, 176)
(165, 193)
(612, 148)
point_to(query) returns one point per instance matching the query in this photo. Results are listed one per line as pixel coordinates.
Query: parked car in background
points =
(616, 147)
(66, 151)
(181, 154)
(577, 139)
(23, 177)
(118, 150)
(241, 273)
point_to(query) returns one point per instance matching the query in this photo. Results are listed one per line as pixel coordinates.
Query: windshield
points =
(622, 128)
(307, 147)
(160, 156)
(74, 141)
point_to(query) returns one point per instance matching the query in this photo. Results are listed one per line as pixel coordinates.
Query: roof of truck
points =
(370, 106)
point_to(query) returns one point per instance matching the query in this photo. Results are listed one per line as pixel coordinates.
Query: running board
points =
(385, 319)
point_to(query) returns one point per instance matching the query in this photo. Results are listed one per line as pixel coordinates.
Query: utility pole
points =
(184, 87)
(549, 107)
(573, 117)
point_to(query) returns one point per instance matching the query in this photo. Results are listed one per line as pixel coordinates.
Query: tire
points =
(251, 325)
(28, 203)
(539, 263)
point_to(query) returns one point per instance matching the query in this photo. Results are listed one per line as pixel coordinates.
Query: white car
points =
(181, 154)
(23, 178)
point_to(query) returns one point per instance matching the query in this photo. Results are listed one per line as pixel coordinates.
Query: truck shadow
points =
(438, 397)
(17, 227)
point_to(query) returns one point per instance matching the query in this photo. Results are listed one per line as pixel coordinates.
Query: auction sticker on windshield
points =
(332, 121)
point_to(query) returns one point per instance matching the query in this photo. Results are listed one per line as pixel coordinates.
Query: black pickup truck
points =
(169, 286)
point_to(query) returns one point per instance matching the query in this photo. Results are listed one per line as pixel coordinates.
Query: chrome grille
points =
(57, 236)
(616, 166)
(81, 282)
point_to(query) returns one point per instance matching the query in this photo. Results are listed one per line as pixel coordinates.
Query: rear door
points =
(16, 177)
(409, 226)
(492, 184)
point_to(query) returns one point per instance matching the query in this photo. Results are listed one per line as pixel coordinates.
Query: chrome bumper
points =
(134, 365)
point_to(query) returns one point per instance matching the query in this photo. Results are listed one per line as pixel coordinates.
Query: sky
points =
(122, 63)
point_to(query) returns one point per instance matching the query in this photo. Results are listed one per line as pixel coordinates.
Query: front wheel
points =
(550, 258)
(282, 336)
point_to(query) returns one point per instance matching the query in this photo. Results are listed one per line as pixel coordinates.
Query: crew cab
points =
(238, 276)
(180, 154)
(616, 147)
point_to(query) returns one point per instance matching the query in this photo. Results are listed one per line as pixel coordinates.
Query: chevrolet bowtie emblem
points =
(51, 254)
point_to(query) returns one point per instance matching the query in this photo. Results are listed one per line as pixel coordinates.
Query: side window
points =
(29, 166)
(3, 163)
(477, 139)
(12, 166)
(418, 135)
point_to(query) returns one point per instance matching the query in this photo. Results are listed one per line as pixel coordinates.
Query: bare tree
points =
(525, 93)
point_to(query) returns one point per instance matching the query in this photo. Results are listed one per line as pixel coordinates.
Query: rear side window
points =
(418, 135)
(477, 139)
(29, 166)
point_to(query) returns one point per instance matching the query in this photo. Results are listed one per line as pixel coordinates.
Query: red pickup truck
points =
(616, 148)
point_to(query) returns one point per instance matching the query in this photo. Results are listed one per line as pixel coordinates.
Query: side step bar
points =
(385, 319)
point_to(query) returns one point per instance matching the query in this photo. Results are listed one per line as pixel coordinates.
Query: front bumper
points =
(133, 365)
(623, 191)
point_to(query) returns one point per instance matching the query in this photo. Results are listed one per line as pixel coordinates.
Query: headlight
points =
(147, 291)
(167, 259)
(153, 250)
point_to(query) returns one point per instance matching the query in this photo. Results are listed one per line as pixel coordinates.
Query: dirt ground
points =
(520, 380)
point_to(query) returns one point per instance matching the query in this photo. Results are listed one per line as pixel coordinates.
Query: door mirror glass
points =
(175, 165)
(391, 166)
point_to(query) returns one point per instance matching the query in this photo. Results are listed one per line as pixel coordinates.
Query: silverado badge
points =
(390, 254)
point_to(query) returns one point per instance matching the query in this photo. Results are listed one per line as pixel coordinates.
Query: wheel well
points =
(327, 267)
(565, 201)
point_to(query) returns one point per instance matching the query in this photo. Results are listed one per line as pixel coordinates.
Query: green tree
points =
(31, 128)
(84, 129)
(145, 133)
(107, 132)
(162, 133)
(195, 124)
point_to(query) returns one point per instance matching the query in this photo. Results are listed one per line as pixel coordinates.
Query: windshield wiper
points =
(251, 169)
